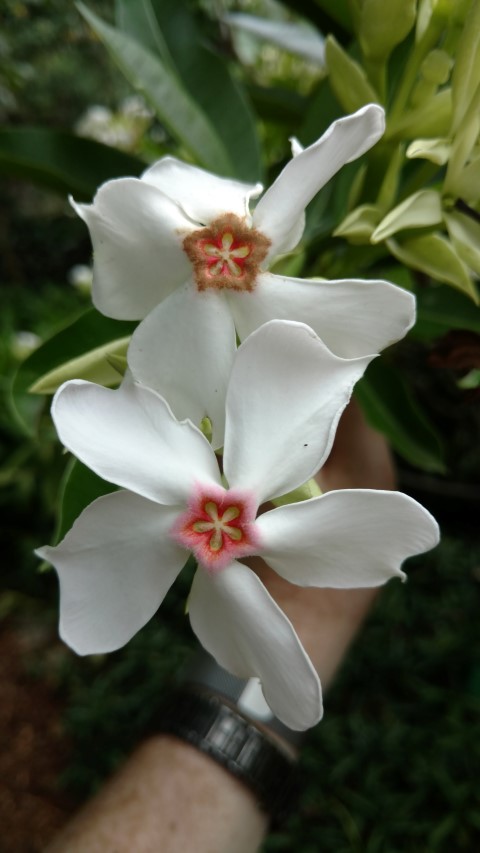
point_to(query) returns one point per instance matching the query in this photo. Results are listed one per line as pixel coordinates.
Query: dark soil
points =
(33, 746)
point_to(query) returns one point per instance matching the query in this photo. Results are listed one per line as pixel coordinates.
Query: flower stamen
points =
(226, 254)
(219, 527)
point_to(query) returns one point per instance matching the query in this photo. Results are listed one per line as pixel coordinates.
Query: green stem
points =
(418, 54)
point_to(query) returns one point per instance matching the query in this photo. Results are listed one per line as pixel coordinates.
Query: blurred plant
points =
(408, 210)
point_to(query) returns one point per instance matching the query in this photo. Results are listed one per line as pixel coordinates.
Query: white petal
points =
(239, 623)
(184, 349)
(200, 194)
(285, 397)
(353, 317)
(301, 179)
(130, 437)
(138, 257)
(350, 538)
(115, 567)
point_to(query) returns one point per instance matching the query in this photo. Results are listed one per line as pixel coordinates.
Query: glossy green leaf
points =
(276, 104)
(434, 255)
(390, 408)
(420, 210)
(294, 37)
(166, 94)
(170, 29)
(80, 486)
(93, 366)
(326, 16)
(440, 308)
(61, 161)
(137, 18)
(84, 333)
(382, 27)
(347, 78)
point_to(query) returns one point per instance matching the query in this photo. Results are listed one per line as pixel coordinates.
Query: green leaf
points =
(359, 225)
(347, 78)
(434, 255)
(435, 150)
(169, 29)
(391, 181)
(390, 408)
(137, 18)
(84, 333)
(420, 210)
(466, 73)
(440, 309)
(275, 104)
(61, 161)
(79, 487)
(305, 492)
(430, 119)
(338, 11)
(323, 108)
(465, 236)
(93, 366)
(166, 94)
(382, 27)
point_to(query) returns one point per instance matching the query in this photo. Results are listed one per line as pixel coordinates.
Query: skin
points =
(168, 797)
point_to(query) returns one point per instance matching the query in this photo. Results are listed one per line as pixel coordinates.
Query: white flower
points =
(118, 561)
(183, 247)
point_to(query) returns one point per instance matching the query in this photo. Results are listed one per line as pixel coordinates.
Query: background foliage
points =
(394, 765)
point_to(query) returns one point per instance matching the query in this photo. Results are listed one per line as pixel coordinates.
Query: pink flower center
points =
(218, 526)
(226, 254)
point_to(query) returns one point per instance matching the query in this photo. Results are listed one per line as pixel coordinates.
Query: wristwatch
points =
(228, 719)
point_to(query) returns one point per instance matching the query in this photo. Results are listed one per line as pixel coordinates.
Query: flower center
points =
(226, 254)
(218, 526)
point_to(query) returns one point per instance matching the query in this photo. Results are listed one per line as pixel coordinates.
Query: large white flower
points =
(284, 399)
(183, 247)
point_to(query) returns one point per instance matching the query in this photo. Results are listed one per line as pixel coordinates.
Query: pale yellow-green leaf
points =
(359, 225)
(434, 255)
(347, 78)
(435, 150)
(465, 236)
(470, 381)
(466, 74)
(467, 185)
(384, 25)
(463, 143)
(420, 210)
(118, 362)
(310, 489)
(430, 119)
(93, 366)
(389, 187)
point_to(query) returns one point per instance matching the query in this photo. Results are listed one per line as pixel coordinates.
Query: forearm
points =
(168, 797)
